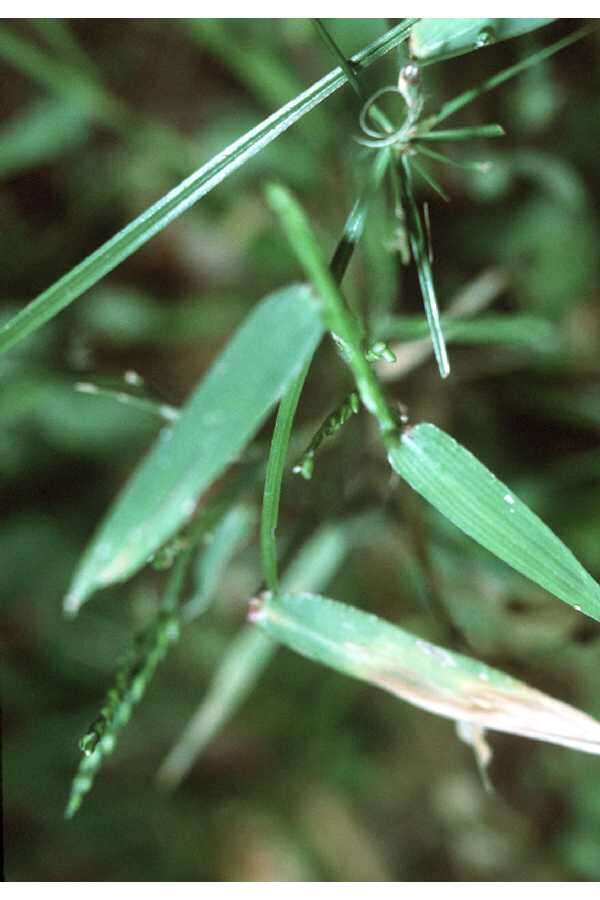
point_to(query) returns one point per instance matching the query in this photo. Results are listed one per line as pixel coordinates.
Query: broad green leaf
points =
(221, 416)
(184, 195)
(438, 680)
(468, 494)
(432, 40)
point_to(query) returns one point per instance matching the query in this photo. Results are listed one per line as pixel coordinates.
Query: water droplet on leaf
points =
(485, 37)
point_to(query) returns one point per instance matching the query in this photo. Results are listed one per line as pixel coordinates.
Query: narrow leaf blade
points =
(184, 195)
(418, 243)
(428, 676)
(222, 414)
(468, 494)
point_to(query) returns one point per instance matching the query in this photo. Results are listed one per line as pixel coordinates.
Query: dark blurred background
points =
(316, 776)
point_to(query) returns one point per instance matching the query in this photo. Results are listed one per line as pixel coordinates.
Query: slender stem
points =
(418, 243)
(347, 68)
(345, 329)
(462, 134)
(448, 161)
(164, 411)
(355, 222)
(332, 424)
(344, 63)
(351, 234)
(175, 581)
(274, 477)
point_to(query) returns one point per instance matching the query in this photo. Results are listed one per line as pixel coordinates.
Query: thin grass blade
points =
(519, 330)
(353, 230)
(186, 194)
(470, 496)
(448, 161)
(163, 411)
(344, 326)
(469, 133)
(433, 184)
(428, 676)
(420, 251)
(220, 417)
(274, 477)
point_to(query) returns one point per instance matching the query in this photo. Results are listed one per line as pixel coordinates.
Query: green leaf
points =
(345, 328)
(469, 133)
(184, 195)
(353, 230)
(433, 678)
(223, 413)
(435, 39)
(245, 659)
(467, 493)
(274, 476)
(452, 106)
(42, 133)
(250, 651)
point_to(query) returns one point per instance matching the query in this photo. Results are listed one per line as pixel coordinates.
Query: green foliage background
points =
(316, 777)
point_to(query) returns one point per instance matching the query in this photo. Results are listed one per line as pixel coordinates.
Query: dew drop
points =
(509, 499)
(187, 507)
(133, 378)
(410, 73)
(485, 37)
(88, 743)
(84, 387)
(578, 608)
